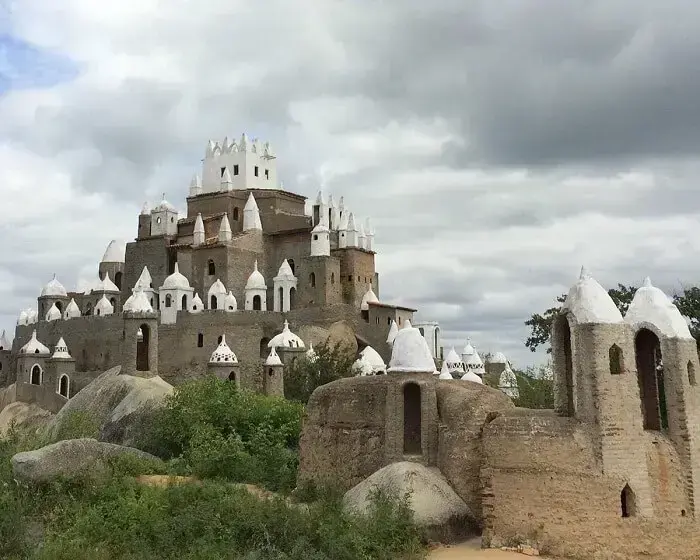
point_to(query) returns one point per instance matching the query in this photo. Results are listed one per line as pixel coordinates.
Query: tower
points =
(369, 233)
(195, 186)
(285, 287)
(140, 350)
(112, 263)
(108, 290)
(5, 359)
(175, 295)
(60, 367)
(223, 363)
(216, 296)
(144, 222)
(273, 381)
(319, 210)
(256, 291)
(164, 219)
(320, 240)
(351, 234)
(52, 294)
(31, 361)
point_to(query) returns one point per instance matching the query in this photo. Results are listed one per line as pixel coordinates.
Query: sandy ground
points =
(472, 550)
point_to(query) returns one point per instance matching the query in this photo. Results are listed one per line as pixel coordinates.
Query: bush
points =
(304, 375)
(217, 431)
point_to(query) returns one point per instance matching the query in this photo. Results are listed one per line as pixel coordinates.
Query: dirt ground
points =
(472, 550)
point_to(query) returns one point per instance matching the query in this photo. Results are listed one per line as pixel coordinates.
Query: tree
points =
(304, 375)
(688, 303)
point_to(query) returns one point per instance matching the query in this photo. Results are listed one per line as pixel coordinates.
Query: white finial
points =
(647, 283)
(251, 215)
(198, 233)
(584, 274)
(145, 210)
(226, 180)
(225, 234)
(195, 185)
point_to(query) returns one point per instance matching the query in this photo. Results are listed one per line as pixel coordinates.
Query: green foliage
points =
(77, 424)
(688, 303)
(331, 363)
(535, 388)
(215, 430)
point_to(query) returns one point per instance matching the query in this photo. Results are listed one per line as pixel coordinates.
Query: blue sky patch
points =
(22, 66)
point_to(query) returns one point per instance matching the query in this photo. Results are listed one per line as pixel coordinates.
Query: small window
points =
(312, 280)
(332, 277)
(388, 320)
(399, 321)
(211, 268)
(267, 174)
(235, 214)
(315, 236)
(158, 220)
(256, 170)
(200, 340)
(291, 264)
(615, 358)
(628, 503)
(349, 277)
(168, 300)
(218, 340)
(359, 279)
(377, 320)
(223, 170)
(235, 169)
(691, 374)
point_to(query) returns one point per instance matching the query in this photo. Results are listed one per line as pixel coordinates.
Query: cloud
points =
(496, 146)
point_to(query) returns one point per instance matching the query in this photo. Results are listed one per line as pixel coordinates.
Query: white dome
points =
(140, 303)
(372, 357)
(217, 289)
(223, 354)
(176, 281)
(445, 372)
(115, 253)
(144, 280)
(54, 288)
(32, 316)
(468, 349)
(588, 302)
(473, 377)
(230, 302)
(311, 355)
(164, 206)
(651, 306)
(286, 339)
(256, 281)
(53, 314)
(273, 359)
(61, 350)
(499, 358)
(34, 347)
(23, 318)
(393, 331)
(106, 285)
(197, 304)
(5, 343)
(411, 353)
(369, 297)
(103, 307)
(72, 310)
(473, 360)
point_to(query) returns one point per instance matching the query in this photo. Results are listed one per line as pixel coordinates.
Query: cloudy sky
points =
(497, 146)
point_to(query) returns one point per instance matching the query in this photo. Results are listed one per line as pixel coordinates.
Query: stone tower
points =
(224, 363)
(273, 378)
(112, 262)
(140, 350)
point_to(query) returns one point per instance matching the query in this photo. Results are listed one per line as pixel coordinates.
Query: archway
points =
(168, 300)
(232, 376)
(213, 304)
(211, 268)
(257, 303)
(142, 348)
(436, 334)
(561, 347)
(183, 302)
(628, 502)
(35, 377)
(235, 213)
(292, 297)
(650, 375)
(59, 306)
(312, 279)
(264, 350)
(411, 419)
(64, 386)
(118, 280)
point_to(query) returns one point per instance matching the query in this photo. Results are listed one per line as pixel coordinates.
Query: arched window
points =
(563, 362)
(211, 268)
(213, 303)
(200, 340)
(264, 350)
(280, 296)
(422, 331)
(35, 377)
(184, 301)
(232, 375)
(292, 297)
(291, 265)
(168, 300)
(615, 359)
(118, 280)
(257, 303)
(64, 386)
(142, 348)
(411, 419)
(235, 213)
(59, 305)
(312, 279)
(650, 374)
(113, 302)
(628, 502)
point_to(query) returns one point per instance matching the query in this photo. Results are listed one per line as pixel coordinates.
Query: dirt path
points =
(471, 550)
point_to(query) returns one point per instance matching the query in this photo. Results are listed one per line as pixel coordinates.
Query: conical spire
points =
(226, 180)
(584, 274)
(4, 341)
(195, 185)
(251, 215)
(243, 144)
(647, 283)
(225, 230)
(198, 234)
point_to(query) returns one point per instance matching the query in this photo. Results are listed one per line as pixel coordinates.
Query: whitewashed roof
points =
(393, 331)
(273, 359)
(140, 303)
(61, 350)
(362, 367)
(23, 318)
(197, 304)
(410, 352)
(5, 343)
(225, 229)
(251, 215)
(144, 280)
(651, 306)
(223, 354)
(453, 360)
(54, 288)
(103, 307)
(369, 297)
(106, 285)
(473, 377)
(468, 348)
(372, 357)
(115, 252)
(72, 310)
(256, 281)
(499, 358)
(286, 339)
(217, 289)
(588, 302)
(176, 281)
(164, 206)
(507, 379)
(230, 302)
(53, 314)
(285, 272)
(445, 372)
(34, 347)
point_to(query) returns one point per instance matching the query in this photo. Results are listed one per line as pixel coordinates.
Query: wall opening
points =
(411, 419)
(183, 302)
(628, 503)
(232, 376)
(64, 386)
(312, 279)
(219, 339)
(213, 303)
(211, 268)
(35, 377)
(235, 214)
(436, 333)
(264, 351)
(365, 315)
(172, 261)
(257, 303)
(563, 355)
(650, 376)
(691, 374)
(332, 277)
(142, 348)
(615, 359)
(168, 300)
(59, 306)
(118, 280)
(280, 295)
(88, 309)
(200, 340)
(113, 303)
(291, 265)
(292, 297)
(421, 330)
(316, 214)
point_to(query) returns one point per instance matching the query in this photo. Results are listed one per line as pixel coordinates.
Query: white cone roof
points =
(410, 352)
(369, 297)
(256, 281)
(589, 302)
(273, 358)
(223, 354)
(61, 350)
(35, 347)
(286, 339)
(54, 288)
(651, 306)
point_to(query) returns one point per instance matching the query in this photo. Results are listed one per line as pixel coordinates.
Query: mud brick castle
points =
(250, 277)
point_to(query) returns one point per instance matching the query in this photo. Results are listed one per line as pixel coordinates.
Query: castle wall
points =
(542, 483)
(43, 396)
(356, 271)
(215, 204)
(151, 252)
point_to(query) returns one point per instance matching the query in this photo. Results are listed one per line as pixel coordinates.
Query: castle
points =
(248, 268)
(612, 472)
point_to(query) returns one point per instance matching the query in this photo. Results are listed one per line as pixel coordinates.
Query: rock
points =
(70, 459)
(121, 406)
(437, 509)
(25, 417)
(342, 334)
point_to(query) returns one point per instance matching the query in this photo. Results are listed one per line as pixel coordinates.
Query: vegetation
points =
(222, 435)
(535, 388)
(687, 301)
(331, 362)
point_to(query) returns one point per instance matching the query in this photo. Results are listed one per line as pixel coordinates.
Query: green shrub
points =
(75, 425)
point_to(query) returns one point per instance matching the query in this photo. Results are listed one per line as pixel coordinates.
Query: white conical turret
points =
(445, 372)
(393, 331)
(311, 355)
(225, 234)
(251, 215)
(320, 240)
(209, 150)
(273, 359)
(369, 297)
(5, 343)
(243, 143)
(72, 310)
(53, 314)
(651, 306)
(195, 185)
(61, 350)
(230, 303)
(473, 377)
(144, 281)
(369, 235)
(145, 209)
(106, 285)
(197, 304)
(226, 180)
(589, 302)
(198, 233)
(361, 237)
(351, 235)
(103, 307)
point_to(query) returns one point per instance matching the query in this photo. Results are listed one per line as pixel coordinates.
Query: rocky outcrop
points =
(437, 509)
(25, 417)
(121, 406)
(70, 460)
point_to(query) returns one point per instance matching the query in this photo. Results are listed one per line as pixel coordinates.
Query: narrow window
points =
(691, 374)
(267, 174)
(412, 419)
(223, 170)
(235, 213)
(211, 268)
(256, 170)
(312, 279)
(332, 277)
(615, 359)
(200, 340)
(627, 502)
(168, 300)
(235, 169)
(291, 265)
(218, 340)
(315, 236)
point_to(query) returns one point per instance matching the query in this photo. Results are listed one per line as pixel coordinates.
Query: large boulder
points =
(437, 509)
(71, 459)
(120, 406)
(342, 334)
(26, 417)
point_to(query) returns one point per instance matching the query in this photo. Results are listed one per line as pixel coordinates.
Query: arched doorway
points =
(59, 306)
(257, 303)
(264, 350)
(143, 340)
(212, 302)
(411, 419)
(232, 376)
(561, 347)
(650, 375)
(35, 377)
(64, 386)
(628, 503)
